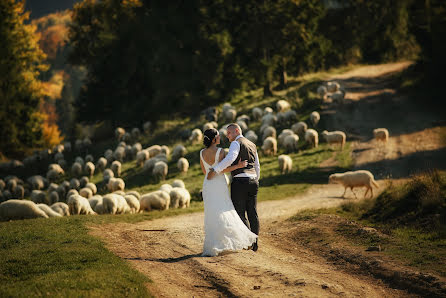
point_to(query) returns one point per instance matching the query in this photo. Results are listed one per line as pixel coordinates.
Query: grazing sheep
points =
(52, 175)
(251, 135)
(210, 125)
(86, 142)
(94, 200)
(18, 192)
(116, 168)
(53, 197)
(334, 137)
(322, 91)
(115, 204)
(166, 187)
(183, 165)
(2, 183)
(245, 118)
(299, 128)
(48, 211)
(268, 110)
(158, 200)
(269, 146)
(288, 116)
(136, 133)
(381, 134)
(101, 164)
(353, 179)
(38, 196)
(36, 182)
(67, 146)
(20, 209)
(178, 151)
(62, 163)
(92, 186)
(196, 137)
(269, 131)
(108, 154)
(178, 183)
(79, 205)
(61, 208)
(107, 175)
(283, 135)
(230, 114)
(89, 169)
(291, 143)
(243, 125)
(80, 160)
(119, 133)
(78, 145)
(314, 118)
(76, 169)
(128, 152)
(312, 137)
(337, 96)
(269, 119)
(83, 181)
(71, 192)
(333, 86)
(165, 150)
(150, 163)
(134, 193)
(160, 170)
(89, 158)
(146, 126)
(133, 203)
(119, 153)
(115, 184)
(154, 150)
(282, 105)
(86, 192)
(285, 163)
(58, 156)
(179, 198)
(257, 113)
(141, 157)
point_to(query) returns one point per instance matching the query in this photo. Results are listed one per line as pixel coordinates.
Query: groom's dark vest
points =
(247, 152)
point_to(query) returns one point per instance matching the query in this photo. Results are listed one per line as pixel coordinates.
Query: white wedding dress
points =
(224, 230)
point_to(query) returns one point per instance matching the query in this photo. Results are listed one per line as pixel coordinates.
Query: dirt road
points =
(168, 250)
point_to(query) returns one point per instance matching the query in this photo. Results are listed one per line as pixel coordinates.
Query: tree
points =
(20, 90)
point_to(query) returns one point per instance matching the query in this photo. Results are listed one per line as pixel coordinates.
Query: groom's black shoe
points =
(255, 246)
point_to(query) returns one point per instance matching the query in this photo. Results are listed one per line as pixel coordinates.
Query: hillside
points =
(40, 8)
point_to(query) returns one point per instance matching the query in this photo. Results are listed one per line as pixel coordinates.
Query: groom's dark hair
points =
(209, 136)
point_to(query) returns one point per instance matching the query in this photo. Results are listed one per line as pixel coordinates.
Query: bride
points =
(224, 230)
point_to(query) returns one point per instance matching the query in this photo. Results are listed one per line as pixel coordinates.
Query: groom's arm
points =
(257, 166)
(234, 150)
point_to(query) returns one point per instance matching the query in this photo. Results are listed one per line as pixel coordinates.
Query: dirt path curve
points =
(168, 251)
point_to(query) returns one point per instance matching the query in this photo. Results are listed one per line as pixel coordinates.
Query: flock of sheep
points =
(79, 196)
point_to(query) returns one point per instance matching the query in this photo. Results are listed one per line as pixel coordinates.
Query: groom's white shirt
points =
(234, 150)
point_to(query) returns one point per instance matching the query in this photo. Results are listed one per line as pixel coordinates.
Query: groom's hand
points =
(211, 174)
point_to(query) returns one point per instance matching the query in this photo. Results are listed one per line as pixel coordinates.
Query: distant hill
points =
(41, 8)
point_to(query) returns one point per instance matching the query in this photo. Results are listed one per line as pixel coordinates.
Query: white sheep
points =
(178, 183)
(48, 211)
(108, 154)
(312, 137)
(115, 184)
(183, 165)
(86, 142)
(133, 193)
(38, 196)
(243, 125)
(58, 156)
(37, 182)
(115, 204)
(61, 208)
(285, 163)
(251, 135)
(360, 178)
(179, 198)
(101, 164)
(291, 142)
(230, 114)
(80, 160)
(196, 136)
(160, 170)
(20, 209)
(119, 133)
(299, 128)
(107, 175)
(314, 118)
(333, 86)
(89, 169)
(119, 153)
(282, 105)
(116, 168)
(71, 192)
(269, 119)
(337, 96)
(136, 133)
(76, 169)
(178, 151)
(158, 200)
(281, 138)
(269, 131)
(210, 125)
(141, 157)
(89, 158)
(322, 91)
(381, 134)
(86, 192)
(166, 187)
(79, 205)
(133, 203)
(137, 147)
(269, 146)
(67, 146)
(257, 113)
(334, 137)
(268, 110)
(53, 197)
(154, 150)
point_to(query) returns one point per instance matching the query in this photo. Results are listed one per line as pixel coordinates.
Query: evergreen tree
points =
(20, 90)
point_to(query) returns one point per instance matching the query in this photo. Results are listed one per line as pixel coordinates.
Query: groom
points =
(245, 181)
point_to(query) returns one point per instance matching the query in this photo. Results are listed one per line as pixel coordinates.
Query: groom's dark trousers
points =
(244, 197)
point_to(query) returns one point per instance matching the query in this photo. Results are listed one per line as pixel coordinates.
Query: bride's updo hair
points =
(209, 136)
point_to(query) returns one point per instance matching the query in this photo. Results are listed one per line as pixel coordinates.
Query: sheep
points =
(115, 204)
(52, 175)
(146, 127)
(159, 200)
(38, 196)
(333, 86)
(178, 183)
(58, 156)
(245, 118)
(226, 106)
(178, 151)
(165, 150)
(314, 118)
(62, 163)
(353, 179)
(86, 192)
(61, 191)
(268, 110)
(2, 183)
(136, 133)
(83, 181)
(53, 197)
(137, 147)
(154, 150)
(269, 119)
(36, 182)
(251, 135)
(76, 169)
(134, 193)
(79, 205)
(269, 146)
(133, 203)
(115, 184)
(282, 105)
(269, 131)
(89, 158)
(337, 96)
(92, 186)
(119, 133)
(79, 160)
(18, 192)
(334, 137)
(107, 175)
(166, 187)
(86, 142)
(291, 142)
(71, 192)
(322, 91)
(179, 198)
(150, 163)
(20, 209)
(286, 117)
(285, 163)
(230, 114)
(108, 154)
(183, 165)
(78, 145)
(299, 128)
(119, 153)
(283, 135)
(312, 137)
(61, 208)
(89, 169)
(57, 168)
(196, 137)
(101, 164)
(48, 211)
(256, 113)
(141, 157)
(94, 200)
(210, 125)
(160, 170)
(128, 152)
(116, 168)
(243, 125)
(381, 134)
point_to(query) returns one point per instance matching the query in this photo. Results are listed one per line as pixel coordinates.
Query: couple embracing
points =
(225, 223)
